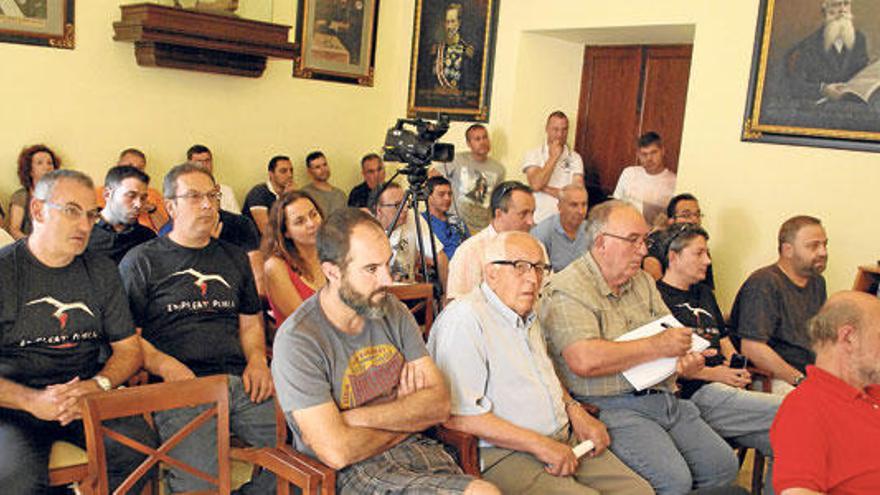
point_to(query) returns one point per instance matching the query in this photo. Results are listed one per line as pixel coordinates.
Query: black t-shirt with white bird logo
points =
(188, 300)
(55, 322)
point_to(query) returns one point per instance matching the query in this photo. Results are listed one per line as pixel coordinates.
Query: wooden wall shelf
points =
(185, 39)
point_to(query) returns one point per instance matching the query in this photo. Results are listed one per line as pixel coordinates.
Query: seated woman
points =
(33, 163)
(292, 270)
(718, 389)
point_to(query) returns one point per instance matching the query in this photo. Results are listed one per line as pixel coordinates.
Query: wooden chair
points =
(135, 401)
(766, 379)
(68, 464)
(420, 300)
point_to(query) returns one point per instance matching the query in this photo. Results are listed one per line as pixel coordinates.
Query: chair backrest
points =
(420, 300)
(135, 401)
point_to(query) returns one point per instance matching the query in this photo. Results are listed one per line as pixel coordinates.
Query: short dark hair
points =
(649, 138)
(471, 128)
(312, 157)
(789, 229)
(196, 149)
(368, 157)
(500, 199)
(119, 173)
(169, 184)
(673, 203)
(334, 236)
(433, 182)
(274, 161)
(133, 151)
(556, 114)
(24, 163)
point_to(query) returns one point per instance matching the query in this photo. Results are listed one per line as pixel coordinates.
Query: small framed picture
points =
(37, 22)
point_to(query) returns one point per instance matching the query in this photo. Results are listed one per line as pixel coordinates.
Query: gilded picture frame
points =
(452, 59)
(38, 22)
(815, 75)
(336, 40)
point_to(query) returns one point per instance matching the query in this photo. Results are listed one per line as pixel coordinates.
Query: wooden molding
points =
(186, 39)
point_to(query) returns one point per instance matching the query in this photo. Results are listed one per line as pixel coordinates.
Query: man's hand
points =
(587, 427)
(558, 458)
(673, 342)
(175, 371)
(49, 403)
(70, 394)
(734, 377)
(833, 91)
(257, 381)
(555, 148)
(690, 363)
(412, 379)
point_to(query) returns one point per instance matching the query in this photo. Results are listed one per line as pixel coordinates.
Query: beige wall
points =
(95, 100)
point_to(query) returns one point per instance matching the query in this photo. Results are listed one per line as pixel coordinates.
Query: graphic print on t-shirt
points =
(695, 311)
(62, 312)
(61, 308)
(372, 374)
(201, 280)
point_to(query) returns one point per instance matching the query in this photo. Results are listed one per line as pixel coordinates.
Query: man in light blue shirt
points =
(505, 391)
(564, 234)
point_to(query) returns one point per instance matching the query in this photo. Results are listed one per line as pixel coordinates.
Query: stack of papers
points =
(648, 374)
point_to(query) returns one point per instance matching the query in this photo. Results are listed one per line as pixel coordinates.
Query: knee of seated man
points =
(481, 487)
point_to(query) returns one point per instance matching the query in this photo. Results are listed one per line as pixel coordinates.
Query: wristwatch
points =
(103, 382)
(799, 380)
(571, 402)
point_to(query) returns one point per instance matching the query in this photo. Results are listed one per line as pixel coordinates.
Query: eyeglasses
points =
(74, 211)
(196, 197)
(635, 240)
(522, 267)
(391, 205)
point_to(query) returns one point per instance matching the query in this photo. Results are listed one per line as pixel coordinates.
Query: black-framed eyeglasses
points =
(635, 240)
(522, 267)
(197, 197)
(74, 211)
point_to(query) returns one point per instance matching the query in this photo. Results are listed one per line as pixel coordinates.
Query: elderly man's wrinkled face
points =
(572, 207)
(839, 30)
(621, 246)
(67, 216)
(865, 356)
(518, 281)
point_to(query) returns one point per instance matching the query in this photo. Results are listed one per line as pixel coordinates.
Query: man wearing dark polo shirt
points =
(118, 230)
(772, 307)
(60, 310)
(261, 197)
(827, 431)
(363, 195)
(195, 300)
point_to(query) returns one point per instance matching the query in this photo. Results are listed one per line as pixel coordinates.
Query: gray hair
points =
(597, 220)
(838, 312)
(46, 186)
(169, 184)
(496, 249)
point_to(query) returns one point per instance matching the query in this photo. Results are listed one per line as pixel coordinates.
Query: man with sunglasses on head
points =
(719, 389)
(118, 230)
(60, 312)
(597, 299)
(195, 300)
(505, 391)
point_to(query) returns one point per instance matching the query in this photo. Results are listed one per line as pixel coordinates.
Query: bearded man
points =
(819, 65)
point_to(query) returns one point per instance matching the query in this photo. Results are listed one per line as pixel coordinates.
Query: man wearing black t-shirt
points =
(718, 390)
(118, 230)
(363, 195)
(194, 298)
(772, 307)
(261, 197)
(59, 311)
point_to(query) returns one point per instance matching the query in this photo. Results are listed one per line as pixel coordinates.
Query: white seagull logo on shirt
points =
(695, 311)
(201, 280)
(62, 308)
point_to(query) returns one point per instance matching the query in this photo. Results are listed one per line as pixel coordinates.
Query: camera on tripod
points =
(419, 147)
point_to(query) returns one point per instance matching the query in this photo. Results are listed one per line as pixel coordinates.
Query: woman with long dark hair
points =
(33, 163)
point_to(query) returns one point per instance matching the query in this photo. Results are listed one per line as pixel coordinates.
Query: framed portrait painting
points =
(452, 56)
(37, 22)
(336, 40)
(816, 74)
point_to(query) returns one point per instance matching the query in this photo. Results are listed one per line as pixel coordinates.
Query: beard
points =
(364, 305)
(840, 28)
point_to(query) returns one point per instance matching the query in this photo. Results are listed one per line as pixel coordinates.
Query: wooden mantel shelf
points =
(185, 39)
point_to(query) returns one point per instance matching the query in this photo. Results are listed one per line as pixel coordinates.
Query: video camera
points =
(419, 147)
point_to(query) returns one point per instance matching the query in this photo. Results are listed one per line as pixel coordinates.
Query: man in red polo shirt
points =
(827, 432)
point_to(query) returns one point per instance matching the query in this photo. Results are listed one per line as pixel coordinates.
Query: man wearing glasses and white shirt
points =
(552, 166)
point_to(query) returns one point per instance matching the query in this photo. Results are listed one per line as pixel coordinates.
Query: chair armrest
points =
(766, 377)
(291, 467)
(464, 445)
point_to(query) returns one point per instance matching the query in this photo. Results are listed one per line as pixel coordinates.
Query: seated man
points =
(60, 310)
(564, 234)
(826, 433)
(505, 390)
(260, 198)
(153, 214)
(513, 207)
(773, 305)
(195, 300)
(405, 260)
(118, 230)
(600, 297)
(450, 229)
(329, 197)
(364, 194)
(200, 155)
(718, 390)
(354, 378)
(682, 208)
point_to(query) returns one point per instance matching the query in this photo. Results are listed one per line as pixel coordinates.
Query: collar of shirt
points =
(557, 225)
(599, 279)
(545, 150)
(835, 386)
(510, 317)
(271, 189)
(104, 224)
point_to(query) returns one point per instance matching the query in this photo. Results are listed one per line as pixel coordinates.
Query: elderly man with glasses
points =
(600, 297)
(504, 388)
